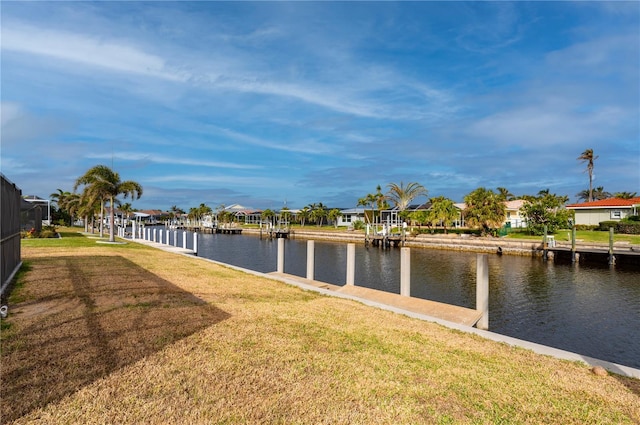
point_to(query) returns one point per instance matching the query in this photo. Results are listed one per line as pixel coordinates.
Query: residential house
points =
(349, 216)
(514, 217)
(611, 209)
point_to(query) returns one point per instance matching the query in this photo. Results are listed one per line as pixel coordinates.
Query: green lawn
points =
(581, 235)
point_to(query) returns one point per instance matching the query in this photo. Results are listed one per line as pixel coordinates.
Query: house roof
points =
(516, 204)
(608, 203)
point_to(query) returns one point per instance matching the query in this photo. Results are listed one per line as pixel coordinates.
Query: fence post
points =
(482, 290)
(405, 272)
(310, 259)
(280, 268)
(351, 264)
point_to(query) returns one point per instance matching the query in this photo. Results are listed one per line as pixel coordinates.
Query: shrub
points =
(628, 228)
(47, 234)
(586, 226)
(604, 225)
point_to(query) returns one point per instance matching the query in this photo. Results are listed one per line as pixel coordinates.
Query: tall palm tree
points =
(588, 157)
(71, 203)
(376, 201)
(103, 183)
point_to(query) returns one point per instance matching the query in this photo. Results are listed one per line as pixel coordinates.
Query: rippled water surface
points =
(590, 310)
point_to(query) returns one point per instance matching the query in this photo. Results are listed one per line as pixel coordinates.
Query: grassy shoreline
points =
(130, 334)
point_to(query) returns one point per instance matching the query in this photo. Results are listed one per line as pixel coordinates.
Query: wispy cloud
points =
(83, 49)
(162, 159)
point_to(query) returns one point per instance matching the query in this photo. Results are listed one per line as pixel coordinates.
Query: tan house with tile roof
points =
(513, 215)
(611, 209)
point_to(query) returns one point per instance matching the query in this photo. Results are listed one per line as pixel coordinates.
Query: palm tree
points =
(376, 201)
(625, 195)
(599, 193)
(267, 215)
(103, 183)
(484, 209)
(127, 210)
(303, 214)
(596, 194)
(59, 198)
(443, 210)
(318, 212)
(72, 204)
(588, 157)
(333, 216)
(402, 196)
(504, 193)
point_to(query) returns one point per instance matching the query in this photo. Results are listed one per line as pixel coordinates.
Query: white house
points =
(611, 209)
(350, 216)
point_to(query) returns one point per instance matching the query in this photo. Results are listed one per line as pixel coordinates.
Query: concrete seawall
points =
(489, 245)
(448, 242)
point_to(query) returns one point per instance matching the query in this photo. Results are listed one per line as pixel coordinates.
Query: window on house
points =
(616, 214)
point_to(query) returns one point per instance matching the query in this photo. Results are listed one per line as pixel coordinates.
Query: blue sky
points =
(304, 102)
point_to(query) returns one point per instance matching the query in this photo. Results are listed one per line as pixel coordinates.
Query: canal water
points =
(587, 309)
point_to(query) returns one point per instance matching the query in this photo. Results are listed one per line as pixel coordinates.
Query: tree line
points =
(484, 208)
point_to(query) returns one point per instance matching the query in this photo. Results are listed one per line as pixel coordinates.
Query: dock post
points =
(573, 244)
(544, 244)
(184, 240)
(612, 258)
(280, 255)
(482, 290)
(133, 230)
(351, 264)
(160, 235)
(405, 272)
(195, 243)
(310, 259)
(155, 235)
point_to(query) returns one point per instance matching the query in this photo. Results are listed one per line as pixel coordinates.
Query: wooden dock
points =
(384, 241)
(450, 313)
(229, 230)
(628, 256)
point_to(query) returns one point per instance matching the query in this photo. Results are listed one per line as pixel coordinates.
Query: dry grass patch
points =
(258, 351)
